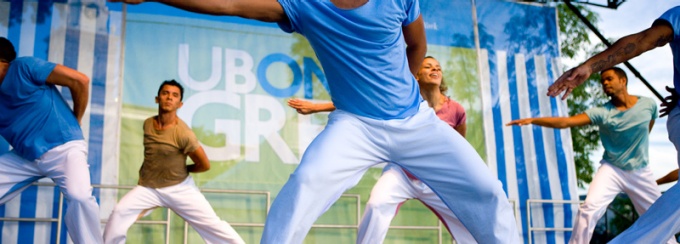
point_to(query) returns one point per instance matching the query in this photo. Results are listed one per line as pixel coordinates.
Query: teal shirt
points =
(625, 134)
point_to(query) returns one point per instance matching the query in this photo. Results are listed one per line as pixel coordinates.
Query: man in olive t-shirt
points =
(164, 179)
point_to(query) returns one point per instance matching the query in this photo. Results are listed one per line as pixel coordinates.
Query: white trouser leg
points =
(67, 166)
(188, 202)
(662, 219)
(131, 207)
(333, 163)
(391, 190)
(440, 157)
(453, 224)
(603, 189)
(16, 174)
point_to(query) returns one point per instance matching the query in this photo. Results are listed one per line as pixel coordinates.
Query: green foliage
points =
(574, 41)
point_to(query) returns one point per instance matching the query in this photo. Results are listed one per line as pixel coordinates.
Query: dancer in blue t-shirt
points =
(370, 52)
(662, 219)
(46, 137)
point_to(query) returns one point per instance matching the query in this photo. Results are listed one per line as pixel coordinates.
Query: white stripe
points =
(530, 160)
(549, 143)
(504, 102)
(4, 18)
(10, 229)
(27, 35)
(487, 112)
(58, 33)
(43, 209)
(111, 140)
(86, 57)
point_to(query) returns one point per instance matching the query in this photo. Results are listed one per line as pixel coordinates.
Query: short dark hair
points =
(172, 83)
(618, 71)
(7, 52)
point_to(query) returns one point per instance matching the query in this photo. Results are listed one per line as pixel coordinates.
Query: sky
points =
(656, 66)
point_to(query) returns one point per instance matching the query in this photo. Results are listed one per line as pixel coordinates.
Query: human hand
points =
(569, 80)
(669, 102)
(520, 122)
(302, 106)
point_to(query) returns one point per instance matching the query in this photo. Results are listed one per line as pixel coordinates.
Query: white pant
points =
(391, 190)
(67, 166)
(608, 182)
(184, 199)
(662, 219)
(421, 144)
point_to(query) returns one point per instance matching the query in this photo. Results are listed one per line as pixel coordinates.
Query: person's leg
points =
(188, 202)
(134, 205)
(16, 174)
(603, 189)
(391, 190)
(67, 166)
(642, 189)
(437, 155)
(452, 223)
(333, 163)
(662, 219)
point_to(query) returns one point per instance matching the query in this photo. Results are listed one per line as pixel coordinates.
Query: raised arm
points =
(416, 44)
(622, 50)
(263, 10)
(201, 162)
(555, 122)
(77, 83)
(307, 107)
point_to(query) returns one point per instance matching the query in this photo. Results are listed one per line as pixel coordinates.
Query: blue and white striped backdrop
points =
(532, 162)
(80, 35)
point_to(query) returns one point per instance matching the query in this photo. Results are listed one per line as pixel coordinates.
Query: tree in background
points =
(574, 41)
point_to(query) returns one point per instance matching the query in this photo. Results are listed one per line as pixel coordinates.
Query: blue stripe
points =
(562, 166)
(541, 161)
(14, 28)
(43, 30)
(72, 44)
(55, 214)
(522, 183)
(497, 121)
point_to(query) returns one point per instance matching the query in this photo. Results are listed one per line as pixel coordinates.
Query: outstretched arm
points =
(77, 83)
(670, 177)
(201, 162)
(263, 10)
(555, 122)
(307, 107)
(622, 50)
(416, 44)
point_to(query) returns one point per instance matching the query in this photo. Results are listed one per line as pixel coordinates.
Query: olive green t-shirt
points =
(165, 154)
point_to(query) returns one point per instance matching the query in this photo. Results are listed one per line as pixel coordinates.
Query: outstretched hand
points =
(520, 122)
(669, 102)
(302, 106)
(568, 81)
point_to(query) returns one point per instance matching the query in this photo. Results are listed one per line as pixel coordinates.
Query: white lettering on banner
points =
(230, 128)
(245, 70)
(183, 69)
(240, 64)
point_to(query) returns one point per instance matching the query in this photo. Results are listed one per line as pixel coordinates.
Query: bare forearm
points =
(629, 47)
(415, 55)
(552, 122)
(80, 93)
(263, 10)
(324, 107)
(193, 168)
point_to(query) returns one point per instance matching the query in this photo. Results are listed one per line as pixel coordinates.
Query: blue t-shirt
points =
(625, 134)
(362, 52)
(672, 17)
(34, 118)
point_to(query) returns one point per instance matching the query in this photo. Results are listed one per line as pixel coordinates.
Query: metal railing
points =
(531, 229)
(167, 222)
